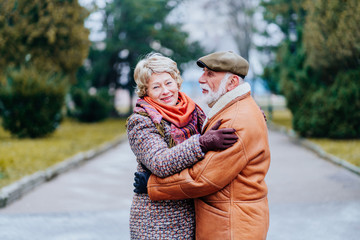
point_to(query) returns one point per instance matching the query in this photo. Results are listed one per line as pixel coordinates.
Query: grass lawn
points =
(21, 157)
(348, 150)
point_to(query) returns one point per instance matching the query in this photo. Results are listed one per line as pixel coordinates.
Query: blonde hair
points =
(154, 63)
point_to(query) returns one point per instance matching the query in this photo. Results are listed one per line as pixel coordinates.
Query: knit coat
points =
(168, 219)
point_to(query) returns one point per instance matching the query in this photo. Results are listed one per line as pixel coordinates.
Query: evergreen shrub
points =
(31, 102)
(91, 107)
(332, 111)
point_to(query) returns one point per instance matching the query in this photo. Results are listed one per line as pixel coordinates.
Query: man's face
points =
(212, 85)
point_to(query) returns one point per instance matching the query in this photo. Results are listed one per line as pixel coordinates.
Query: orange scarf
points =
(179, 115)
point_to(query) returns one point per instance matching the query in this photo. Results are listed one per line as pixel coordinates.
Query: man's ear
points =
(233, 82)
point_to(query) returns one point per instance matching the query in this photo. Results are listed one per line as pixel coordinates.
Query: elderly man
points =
(228, 187)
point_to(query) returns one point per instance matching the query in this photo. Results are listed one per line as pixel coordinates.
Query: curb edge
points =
(314, 147)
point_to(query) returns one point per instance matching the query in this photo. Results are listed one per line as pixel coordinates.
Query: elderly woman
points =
(164, 134)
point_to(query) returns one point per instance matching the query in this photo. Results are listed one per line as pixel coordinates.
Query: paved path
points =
(309, 198)
(91, 202)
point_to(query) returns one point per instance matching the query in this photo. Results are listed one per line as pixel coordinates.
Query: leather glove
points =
(217, 139)
(141, 179)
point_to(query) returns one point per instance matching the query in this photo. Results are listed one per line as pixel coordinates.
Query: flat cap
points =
(225, 62)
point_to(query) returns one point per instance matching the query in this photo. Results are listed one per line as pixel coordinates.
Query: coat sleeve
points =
(210, 175)
(151, 149)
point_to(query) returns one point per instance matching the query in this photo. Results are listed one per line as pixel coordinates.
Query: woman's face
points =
(163, 88)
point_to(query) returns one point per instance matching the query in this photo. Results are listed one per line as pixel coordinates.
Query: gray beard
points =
(212, 97)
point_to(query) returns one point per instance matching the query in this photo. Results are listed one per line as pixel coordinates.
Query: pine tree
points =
(134, 29)
(332, 35)
(48, 34)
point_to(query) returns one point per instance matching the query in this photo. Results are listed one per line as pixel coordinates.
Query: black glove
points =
(141, 179)
(217, 139)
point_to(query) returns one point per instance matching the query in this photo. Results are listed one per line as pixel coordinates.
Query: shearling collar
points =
(226, 99)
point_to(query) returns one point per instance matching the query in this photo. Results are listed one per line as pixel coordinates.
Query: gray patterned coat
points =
(161, 219)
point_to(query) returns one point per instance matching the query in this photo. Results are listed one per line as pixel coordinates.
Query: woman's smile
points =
(163, 88)
(167, 99)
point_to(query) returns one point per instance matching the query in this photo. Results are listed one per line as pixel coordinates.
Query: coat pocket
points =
(211, 221)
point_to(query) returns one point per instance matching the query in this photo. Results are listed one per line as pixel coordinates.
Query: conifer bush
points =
(333, 111)
(317, 65)
(32, 102)
(91, 107)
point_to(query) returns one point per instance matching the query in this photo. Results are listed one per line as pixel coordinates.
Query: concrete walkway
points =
(309, 198)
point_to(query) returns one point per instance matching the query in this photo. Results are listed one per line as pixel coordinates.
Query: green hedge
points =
(31, 102)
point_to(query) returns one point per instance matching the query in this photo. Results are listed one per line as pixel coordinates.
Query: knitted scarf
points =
(193, 122)
(179, 114)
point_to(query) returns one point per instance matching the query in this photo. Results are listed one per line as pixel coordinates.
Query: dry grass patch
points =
(21, 157)
(348, 150)
(281, 117)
